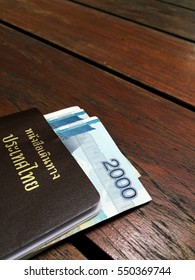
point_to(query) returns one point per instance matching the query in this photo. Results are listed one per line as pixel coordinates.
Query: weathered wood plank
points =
(156, 14)
(158, 136)
(160, 61)
(190, 4)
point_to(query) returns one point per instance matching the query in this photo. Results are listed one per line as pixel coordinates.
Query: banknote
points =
(111, 173)
(66, 116)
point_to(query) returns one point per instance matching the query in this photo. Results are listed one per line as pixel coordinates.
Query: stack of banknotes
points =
(114, 177)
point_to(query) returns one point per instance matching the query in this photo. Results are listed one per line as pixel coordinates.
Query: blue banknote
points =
(66, 116)
(112, 174)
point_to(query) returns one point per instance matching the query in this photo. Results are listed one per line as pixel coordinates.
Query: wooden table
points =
(132, 64)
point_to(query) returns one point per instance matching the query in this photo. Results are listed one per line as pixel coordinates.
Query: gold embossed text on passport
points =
(43, 154)
(23, 167)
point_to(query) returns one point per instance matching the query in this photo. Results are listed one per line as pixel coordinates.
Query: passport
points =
(43, 190)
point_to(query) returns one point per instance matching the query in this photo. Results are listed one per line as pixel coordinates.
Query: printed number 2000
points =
(120, 180)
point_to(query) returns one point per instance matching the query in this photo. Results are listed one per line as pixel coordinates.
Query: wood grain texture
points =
(160, 61)
(189, 4)
(168, 18)
(157, 135)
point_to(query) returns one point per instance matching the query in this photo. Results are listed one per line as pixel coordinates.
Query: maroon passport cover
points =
(41, 185)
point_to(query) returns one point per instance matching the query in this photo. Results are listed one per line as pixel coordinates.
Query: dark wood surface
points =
(140, 83)
(160, 15)
(152, 59)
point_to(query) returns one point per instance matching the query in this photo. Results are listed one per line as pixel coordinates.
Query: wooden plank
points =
(157, 135)
(149, 57)
(190, 4)
(156, 14)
